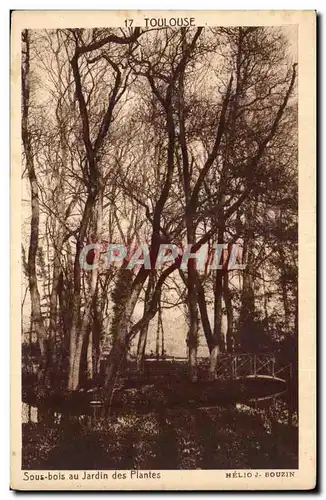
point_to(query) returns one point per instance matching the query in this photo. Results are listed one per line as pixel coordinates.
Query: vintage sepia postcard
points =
(163, 169)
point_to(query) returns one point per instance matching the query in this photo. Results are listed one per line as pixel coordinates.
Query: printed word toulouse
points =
(219, 256)
(163, 22)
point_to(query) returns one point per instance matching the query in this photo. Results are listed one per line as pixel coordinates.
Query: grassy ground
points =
(218, 438)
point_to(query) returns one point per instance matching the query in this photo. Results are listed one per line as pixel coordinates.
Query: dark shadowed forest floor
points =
(165, 422)
(232, 437)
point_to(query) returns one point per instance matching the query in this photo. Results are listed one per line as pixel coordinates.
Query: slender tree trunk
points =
(218, 288)
(284, 288)
(193, 324)
(162, 333)
(158, 330)
(144, 331)
(73, 377)
(229, 313)
(85, 324)
(74, 368)
(211, 342)
(90, 370)
(76, 338)
(265, 303)
(36, 314)
(53, 324)
(192, 307)
(218, 291)
(59, 203)
(97, 332)
(247, 313)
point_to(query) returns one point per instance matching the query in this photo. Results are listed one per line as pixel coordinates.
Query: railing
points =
(236, 365)
(247, 364)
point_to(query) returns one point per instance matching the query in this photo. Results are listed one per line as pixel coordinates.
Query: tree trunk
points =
(36, 314)
(85, 325)
(247, 313)
(192, 339)
(265, 303)
(211, 342)
(213, 362)
(283, 281)
(144, 331)
(122, 330)
(53, 324)
(89, 357)
(218, 288)
(59, 202)
(162, 332)
(120, 343)
(97, 332)
(158, 330)
(229, 313)
(193, 324)
(75, 360)
(76, 339)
